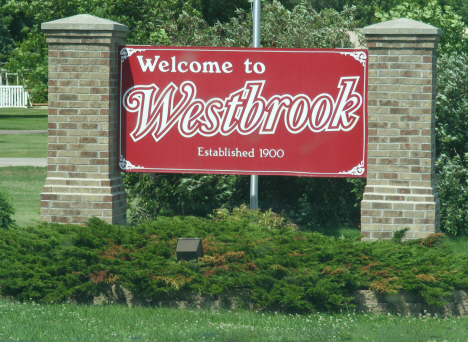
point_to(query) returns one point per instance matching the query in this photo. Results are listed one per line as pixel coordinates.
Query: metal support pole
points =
(254, 192)
(255, 44)
(256, 23)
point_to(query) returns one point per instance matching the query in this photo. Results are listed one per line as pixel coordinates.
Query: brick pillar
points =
(82, 176)
(401, 191)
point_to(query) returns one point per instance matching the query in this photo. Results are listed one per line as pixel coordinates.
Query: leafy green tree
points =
(446, 19)
(12, 21)
(460, 7)
(452, 105)
(6, 42)
(30, 59)
(222, 10)
(452, 142)
(452, 185)
(365, 9)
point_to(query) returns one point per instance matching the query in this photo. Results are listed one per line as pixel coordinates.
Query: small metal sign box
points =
(189, 249)
(291, 112)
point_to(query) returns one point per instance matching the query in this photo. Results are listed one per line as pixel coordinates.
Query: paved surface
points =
(23, 132)
(23, 162)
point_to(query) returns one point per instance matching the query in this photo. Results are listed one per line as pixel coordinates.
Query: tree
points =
(30, 59)
(365, 9)
(222, 10)
(12, 22)
(446, 19)
(460, 7)
(452, 142)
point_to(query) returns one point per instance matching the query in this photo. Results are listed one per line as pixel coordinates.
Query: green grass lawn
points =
(23, 145)
(69, 322)
(24, 186)
(23, 119)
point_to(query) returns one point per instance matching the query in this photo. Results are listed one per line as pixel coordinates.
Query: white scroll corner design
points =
(360, 56)
(126, 165)
(127, 52)
(355, 171)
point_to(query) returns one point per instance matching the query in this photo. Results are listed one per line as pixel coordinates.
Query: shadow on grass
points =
(23, 119)
(24, 116)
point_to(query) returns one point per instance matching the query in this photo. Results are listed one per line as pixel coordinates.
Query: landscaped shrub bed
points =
(284, 267)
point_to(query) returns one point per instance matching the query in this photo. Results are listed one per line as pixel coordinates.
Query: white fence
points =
(13, 96)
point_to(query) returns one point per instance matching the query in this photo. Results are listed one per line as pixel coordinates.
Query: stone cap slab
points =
(402, 26)
(84, 22)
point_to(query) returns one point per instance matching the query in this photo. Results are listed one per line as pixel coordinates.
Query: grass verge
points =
(33, 322)
(24, 186)
(23, 145)
(23, 119)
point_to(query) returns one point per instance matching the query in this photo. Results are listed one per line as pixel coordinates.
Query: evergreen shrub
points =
(283, 267)
(6, 210)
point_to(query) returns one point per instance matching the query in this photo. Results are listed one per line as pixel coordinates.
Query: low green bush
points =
(285, 268)
(6, 210)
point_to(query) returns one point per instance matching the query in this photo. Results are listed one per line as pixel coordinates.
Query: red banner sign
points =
(243, 111)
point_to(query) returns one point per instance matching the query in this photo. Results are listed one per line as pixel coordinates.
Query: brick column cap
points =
(402, 26)
(83, 22)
